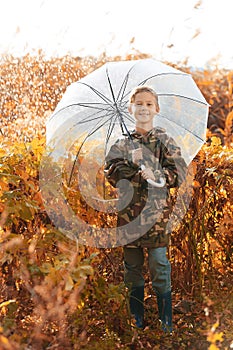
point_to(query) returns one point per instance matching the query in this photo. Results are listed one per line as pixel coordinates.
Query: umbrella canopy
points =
(100, 100)
(93, 113)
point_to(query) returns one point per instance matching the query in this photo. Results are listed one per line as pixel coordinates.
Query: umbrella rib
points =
(63, 108)
(161, 74)
(110, 129)
(85, 120)
(172, 121)
(93, 105)
(110, 85)
(127, 116)
(97, 92)
(97, 117)
(109, 132)
(82, 105)
(185, 97)
(122, 122)
(87, 136)
(123, 86)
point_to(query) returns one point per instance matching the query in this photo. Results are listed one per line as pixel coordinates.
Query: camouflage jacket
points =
(144, 210)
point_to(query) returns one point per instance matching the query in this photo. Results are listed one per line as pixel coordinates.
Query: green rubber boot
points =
(165, 310)
(136, 303)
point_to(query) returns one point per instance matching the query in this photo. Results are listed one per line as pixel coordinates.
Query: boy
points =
(149, 205)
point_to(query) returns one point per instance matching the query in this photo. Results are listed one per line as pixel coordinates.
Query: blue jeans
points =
(159, 267)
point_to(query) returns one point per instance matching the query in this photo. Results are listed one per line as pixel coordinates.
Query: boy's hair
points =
(143, 88)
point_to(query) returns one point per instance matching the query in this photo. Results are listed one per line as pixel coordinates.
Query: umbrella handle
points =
(161, 182)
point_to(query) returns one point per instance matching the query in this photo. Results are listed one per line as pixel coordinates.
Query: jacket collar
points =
(148, 136)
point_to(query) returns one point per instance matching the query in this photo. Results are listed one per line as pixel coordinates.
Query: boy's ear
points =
(157, 108)
(130, 108)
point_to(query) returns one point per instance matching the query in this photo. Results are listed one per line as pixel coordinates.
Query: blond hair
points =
(143, 88)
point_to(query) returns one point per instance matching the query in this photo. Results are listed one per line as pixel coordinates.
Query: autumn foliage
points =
(58, 294)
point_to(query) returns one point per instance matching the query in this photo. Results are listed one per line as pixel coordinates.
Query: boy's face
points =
(144, 107)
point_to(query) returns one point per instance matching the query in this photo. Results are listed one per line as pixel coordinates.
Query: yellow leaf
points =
(212, 347)
(5, 342)
(215, 141)
(2, 152)
(69, 283)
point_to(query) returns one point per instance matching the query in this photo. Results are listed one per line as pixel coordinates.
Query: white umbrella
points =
(100, 100)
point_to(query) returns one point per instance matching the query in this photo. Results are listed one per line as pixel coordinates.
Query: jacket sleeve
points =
(173, 164)
(117, 164)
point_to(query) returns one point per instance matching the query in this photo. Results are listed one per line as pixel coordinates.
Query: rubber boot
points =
(136, 303)
(165, 310)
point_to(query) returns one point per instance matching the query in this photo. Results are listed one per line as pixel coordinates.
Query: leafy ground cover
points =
(57, 294)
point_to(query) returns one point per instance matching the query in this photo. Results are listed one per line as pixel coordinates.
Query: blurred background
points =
(193, 32)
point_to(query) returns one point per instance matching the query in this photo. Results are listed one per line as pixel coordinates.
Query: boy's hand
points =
(137, 156)
(147, 174)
